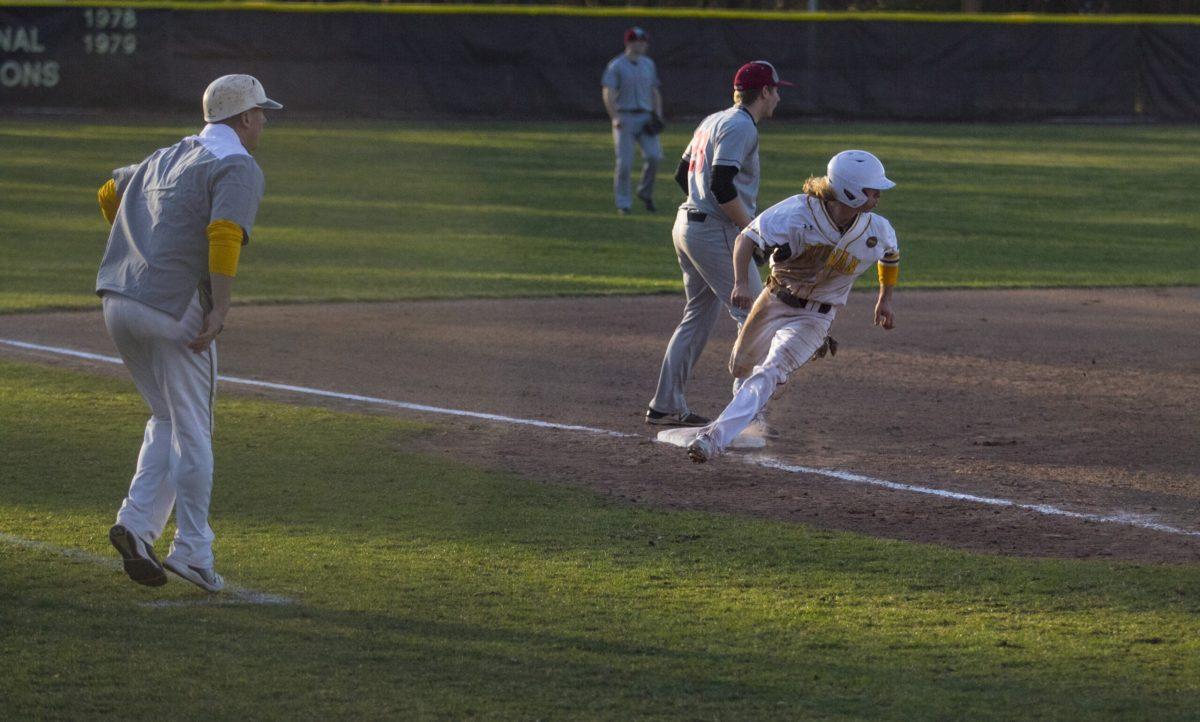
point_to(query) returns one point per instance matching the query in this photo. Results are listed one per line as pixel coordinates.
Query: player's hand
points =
(213, 322)
(741, 296)
(884, 316)
(616, 123)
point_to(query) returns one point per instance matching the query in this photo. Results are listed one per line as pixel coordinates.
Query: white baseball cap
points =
(229, 95)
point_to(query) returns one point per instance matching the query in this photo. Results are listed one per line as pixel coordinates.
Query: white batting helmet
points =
(851, 171)
(229, 95)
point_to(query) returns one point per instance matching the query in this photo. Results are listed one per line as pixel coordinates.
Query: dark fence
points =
(511, 64)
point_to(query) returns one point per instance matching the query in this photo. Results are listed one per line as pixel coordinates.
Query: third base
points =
(681, 437)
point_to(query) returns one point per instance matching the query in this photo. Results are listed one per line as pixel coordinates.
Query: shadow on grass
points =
(74, 644)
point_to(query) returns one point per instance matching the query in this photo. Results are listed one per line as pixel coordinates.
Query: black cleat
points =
(140, 563)
(650, 205)
(658, 418)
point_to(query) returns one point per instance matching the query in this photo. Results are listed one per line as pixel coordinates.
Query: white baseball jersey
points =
(814, 261)
(811, 258)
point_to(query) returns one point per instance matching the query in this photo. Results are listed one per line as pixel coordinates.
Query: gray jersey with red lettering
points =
(728, 138)
(633, 81)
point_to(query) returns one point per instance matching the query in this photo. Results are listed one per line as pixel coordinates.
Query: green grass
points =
(374, 210)
(436, 590)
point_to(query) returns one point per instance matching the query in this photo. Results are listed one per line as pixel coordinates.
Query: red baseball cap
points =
(635, 33)
(757, 74)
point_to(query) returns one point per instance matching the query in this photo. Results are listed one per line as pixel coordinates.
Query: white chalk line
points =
(337, 394)
(1120, 518)
(1123, 518)
(231, 594)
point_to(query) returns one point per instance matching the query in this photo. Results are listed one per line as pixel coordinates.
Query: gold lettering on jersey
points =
(815, 255)
(841, 261)
(808, 264)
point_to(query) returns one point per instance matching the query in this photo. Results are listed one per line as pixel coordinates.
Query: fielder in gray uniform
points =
(632, 98)
(179, 220)
(719, 173)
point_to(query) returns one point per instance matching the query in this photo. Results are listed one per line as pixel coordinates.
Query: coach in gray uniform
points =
(179, 219)
(719, 173)
(631, 95)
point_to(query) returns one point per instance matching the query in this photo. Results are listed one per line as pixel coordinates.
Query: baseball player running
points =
(632, 98)
(179, 221)
(819, 242)
(719, 173)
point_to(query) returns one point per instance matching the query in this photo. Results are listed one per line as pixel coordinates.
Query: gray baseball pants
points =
(624, 138)
(705, 251)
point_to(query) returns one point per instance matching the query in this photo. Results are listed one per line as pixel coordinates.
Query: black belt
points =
(697, 216)
(797, 302)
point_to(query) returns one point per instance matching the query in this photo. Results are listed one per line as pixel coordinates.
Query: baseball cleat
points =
(658, 418)
(622, 211)
(650, 204)
(700, 450)
(206, 579)
(138, 557)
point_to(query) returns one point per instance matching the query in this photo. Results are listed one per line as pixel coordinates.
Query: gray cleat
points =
(206, 579)
(701, 449)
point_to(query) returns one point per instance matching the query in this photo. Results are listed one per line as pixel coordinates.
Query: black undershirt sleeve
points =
(681, 175)
(722, 183)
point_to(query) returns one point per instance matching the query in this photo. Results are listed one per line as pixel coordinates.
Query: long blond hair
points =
(746, 97)
(819, 187)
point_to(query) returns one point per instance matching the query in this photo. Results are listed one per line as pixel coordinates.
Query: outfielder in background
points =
(179, 221)
(719, 173)
(634, 103)
(819, 243)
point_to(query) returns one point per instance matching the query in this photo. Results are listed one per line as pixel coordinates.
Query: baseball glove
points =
(655, 125)
(829, 346)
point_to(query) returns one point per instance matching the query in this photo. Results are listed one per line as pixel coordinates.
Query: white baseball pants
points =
(175, 466)
(793, 344)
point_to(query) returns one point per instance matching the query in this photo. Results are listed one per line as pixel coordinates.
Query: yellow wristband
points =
(224, 247)
(888, 275)
(109, 202)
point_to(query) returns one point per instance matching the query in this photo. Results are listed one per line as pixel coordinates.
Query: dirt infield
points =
(1083, 399)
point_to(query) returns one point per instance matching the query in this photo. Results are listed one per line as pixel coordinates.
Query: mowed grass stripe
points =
(436, 589)
(384, 210)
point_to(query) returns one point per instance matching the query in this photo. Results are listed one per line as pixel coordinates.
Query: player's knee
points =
(785, 359)
(772, 372)
(189, 470)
